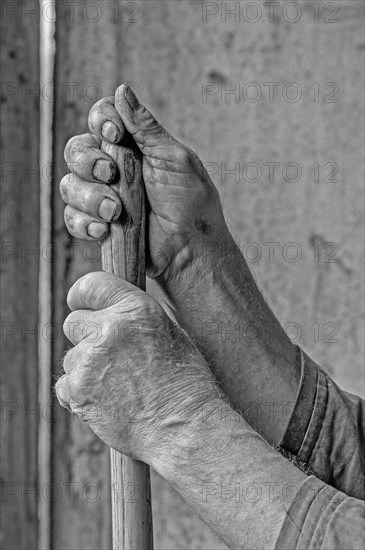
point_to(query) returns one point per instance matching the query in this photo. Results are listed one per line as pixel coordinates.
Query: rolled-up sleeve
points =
(322, 518)
(326, 431)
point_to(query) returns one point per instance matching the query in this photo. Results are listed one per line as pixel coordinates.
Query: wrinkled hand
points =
(185, 209)
(134, 376)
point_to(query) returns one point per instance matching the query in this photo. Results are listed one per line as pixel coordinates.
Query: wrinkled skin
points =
(134, 376)
(185, 210)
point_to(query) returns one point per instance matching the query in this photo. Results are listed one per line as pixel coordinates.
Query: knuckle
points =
(102, 105)
(79, 223)
(61, 391)
(72, 146)
(64, 187)
(90, 197)
(59, 387)
(85, 288)
(71, 322)
(88, 361)
(101, 111)
(67, 186)
(77, 144)
(74, 221)
(71, 218)
(85, 285)
(68, 214)
(71, 142)
(77, 386)
(81, 384)
(67, 363)
(72, 360)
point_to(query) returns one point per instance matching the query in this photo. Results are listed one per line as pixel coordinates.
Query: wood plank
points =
(19, 276)
(47, 49)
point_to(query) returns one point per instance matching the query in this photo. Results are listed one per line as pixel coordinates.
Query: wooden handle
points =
(123, 253)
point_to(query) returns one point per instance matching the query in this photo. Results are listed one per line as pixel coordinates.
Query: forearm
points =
(218, 303)
(232, 478)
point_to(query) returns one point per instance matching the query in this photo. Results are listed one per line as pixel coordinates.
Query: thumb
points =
(98, 290)
(139, 121)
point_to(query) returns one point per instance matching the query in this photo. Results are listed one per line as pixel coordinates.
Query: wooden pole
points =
(123, 253)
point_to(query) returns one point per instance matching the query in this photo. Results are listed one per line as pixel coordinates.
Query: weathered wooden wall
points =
(169, 51)
(86, 63)
(19, 279)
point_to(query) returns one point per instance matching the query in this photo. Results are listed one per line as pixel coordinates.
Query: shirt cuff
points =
(309, 411)
(307, 519)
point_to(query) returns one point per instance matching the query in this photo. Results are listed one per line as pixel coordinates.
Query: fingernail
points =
(110, 131)
(131, 98)
(107, 209)
(96, 230)
(104, 170)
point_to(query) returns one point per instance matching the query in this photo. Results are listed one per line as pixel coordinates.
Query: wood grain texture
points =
(45, 295)
(123, 250)
(19, 278)
(123, 253)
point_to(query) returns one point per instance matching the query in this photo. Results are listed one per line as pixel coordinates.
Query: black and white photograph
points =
(182, 275)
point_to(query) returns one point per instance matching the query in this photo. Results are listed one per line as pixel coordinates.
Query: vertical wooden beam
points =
(47, 50)
(19, 110)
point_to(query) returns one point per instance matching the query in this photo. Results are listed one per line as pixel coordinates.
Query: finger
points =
(83, 325)
(140, 123)
(97, 200)
(85, 159)
(73, 360)
(63, 392)
(99, 290)
(83, 226)
(105, 121)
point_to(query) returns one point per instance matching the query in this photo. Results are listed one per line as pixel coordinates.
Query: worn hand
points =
(185, 210)
(193, 257)
(134, 376)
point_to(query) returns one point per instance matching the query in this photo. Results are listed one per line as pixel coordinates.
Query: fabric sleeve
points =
(321, 518)
(326, 431)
